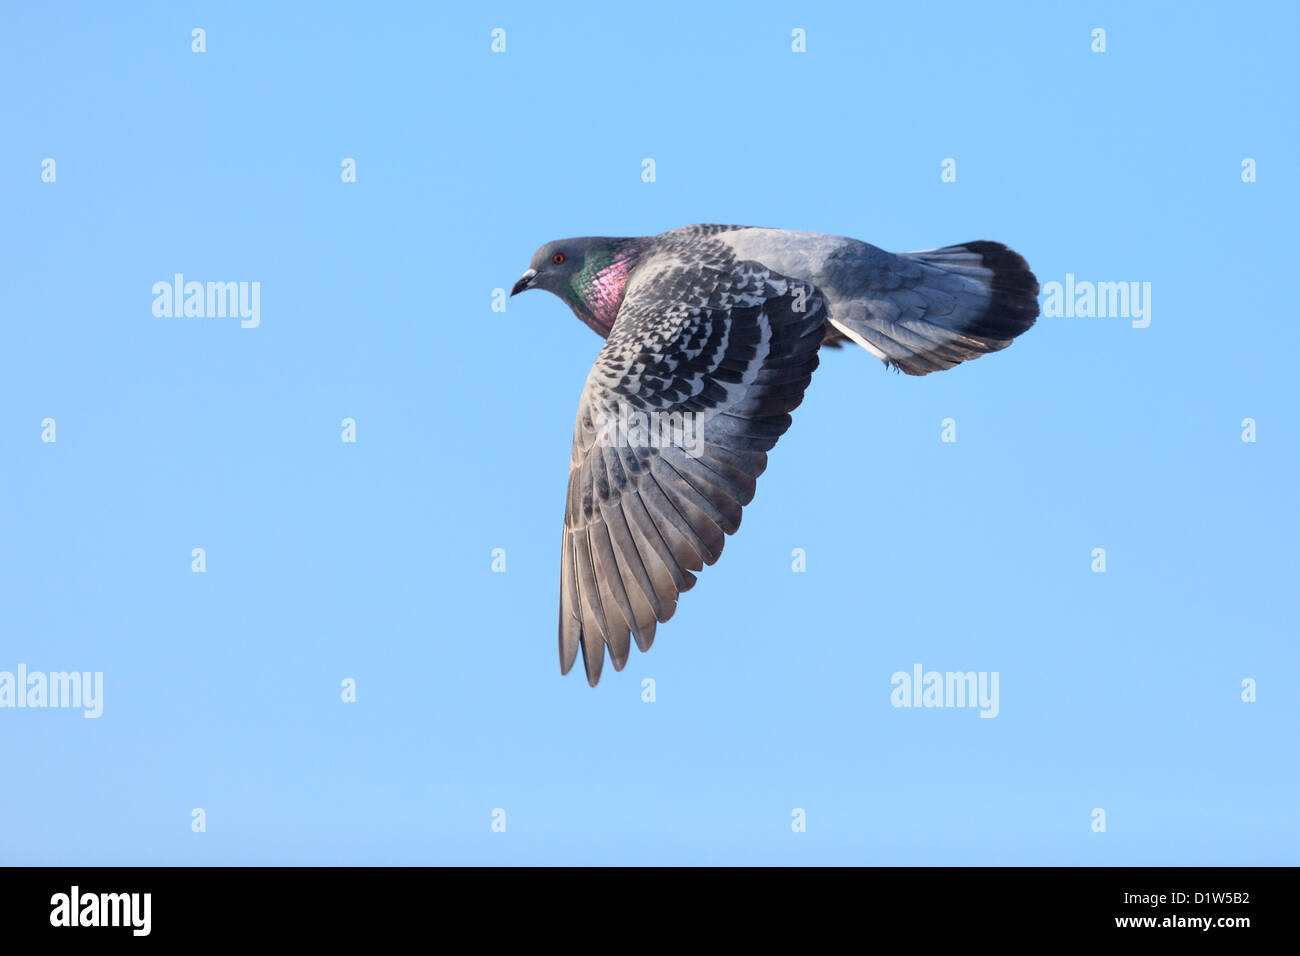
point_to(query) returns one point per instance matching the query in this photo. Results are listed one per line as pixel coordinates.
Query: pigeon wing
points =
(694, 385)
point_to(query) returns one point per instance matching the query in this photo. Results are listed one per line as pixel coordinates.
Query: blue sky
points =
(372, 560)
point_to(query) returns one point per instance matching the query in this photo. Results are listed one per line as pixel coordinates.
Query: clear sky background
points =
(373, 561)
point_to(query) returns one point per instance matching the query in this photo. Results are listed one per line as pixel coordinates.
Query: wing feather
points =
(723, 351)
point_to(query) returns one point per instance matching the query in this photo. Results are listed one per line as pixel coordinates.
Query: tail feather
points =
(923, 312)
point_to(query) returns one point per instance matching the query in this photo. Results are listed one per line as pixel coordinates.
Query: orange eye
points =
(558, 258)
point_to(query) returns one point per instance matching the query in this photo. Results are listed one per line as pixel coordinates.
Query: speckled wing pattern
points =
(734, 345)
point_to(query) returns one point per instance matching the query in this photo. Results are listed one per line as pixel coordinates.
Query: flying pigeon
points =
(711, 336)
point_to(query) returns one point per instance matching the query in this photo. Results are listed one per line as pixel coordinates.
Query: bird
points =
(716, 330)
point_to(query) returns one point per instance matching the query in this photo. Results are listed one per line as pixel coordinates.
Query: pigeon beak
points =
(525, 282)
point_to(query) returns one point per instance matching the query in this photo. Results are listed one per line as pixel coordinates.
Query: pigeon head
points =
(589, 273)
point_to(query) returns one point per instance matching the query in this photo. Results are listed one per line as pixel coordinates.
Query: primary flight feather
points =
(712, 332)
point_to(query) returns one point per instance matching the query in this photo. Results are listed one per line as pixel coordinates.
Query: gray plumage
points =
(720, 326)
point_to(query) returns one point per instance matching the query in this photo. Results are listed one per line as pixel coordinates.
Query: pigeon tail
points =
(953, 304)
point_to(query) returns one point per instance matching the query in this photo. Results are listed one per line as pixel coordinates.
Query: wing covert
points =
(694, 385)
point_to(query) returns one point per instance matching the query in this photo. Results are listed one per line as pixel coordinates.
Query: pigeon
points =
(712, 334)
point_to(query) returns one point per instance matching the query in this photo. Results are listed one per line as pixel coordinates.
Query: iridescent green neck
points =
(597, 289)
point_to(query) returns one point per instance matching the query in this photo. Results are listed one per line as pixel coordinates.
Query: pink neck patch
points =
(603, 294)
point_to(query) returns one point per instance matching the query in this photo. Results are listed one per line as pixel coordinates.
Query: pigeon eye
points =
(558, 258)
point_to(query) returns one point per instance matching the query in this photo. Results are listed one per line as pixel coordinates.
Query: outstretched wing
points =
(695, 383)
